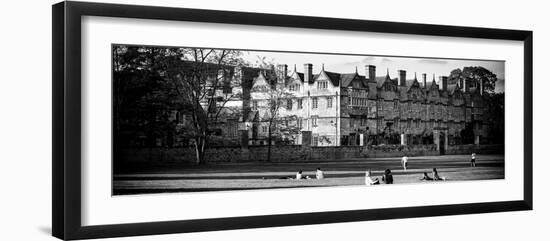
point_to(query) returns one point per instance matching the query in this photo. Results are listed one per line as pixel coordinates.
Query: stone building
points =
(335, 109)
(347, 109)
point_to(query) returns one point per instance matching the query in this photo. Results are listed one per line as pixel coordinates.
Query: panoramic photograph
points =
(195, 119)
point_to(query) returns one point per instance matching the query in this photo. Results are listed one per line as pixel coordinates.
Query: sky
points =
(348, 63)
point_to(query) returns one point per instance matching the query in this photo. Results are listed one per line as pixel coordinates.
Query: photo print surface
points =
(194, 119)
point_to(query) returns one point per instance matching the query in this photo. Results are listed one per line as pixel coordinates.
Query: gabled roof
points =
(299, 75)
(348, 78)
(414, 83)
(261, 76)
(333, 77)
(380, 80)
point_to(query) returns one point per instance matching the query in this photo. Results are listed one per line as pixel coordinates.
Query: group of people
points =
(435, 177)
(387, 178)
(318, 175)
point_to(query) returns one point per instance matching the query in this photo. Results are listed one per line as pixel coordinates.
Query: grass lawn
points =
(255, 175)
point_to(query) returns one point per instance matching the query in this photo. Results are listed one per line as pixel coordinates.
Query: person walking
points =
(473, 160)
(404, 161)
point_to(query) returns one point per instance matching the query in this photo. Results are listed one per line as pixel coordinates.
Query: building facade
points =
(335, 109)
(343, 109)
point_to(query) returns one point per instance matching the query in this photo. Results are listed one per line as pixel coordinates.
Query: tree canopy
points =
(151, 83)
(473, 76)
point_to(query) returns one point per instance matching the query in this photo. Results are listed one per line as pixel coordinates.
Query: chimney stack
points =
(370, 72)
(402, 77)
(443, 81)
(308, 73)
(424, 79)
(282, 72)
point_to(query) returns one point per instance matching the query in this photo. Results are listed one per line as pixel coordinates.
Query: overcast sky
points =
(348, 63)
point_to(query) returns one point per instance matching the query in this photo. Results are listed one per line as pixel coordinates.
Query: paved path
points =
(238, 176)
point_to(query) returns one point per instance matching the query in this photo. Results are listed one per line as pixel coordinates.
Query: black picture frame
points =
(66, 58)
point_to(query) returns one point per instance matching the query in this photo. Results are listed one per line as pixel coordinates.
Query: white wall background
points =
(25, 120)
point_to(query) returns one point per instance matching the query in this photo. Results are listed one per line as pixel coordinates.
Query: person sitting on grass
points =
(368, 179)
(319, 174)
(426, 177)
(436, 175)
(299, 175)
(387, 178)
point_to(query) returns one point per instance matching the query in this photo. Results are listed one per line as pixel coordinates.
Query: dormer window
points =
(322, 85)
(294, 87)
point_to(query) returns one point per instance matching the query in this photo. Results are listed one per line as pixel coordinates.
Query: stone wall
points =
(169, 156)
(478, 149)
(399, 150)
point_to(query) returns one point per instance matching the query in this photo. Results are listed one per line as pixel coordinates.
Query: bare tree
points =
(203, 79)
(277, 97)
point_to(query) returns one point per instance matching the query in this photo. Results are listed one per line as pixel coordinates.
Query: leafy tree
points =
(140, 96)
(149, 83)
(473, 76)
(467, 134)
(494, 115)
